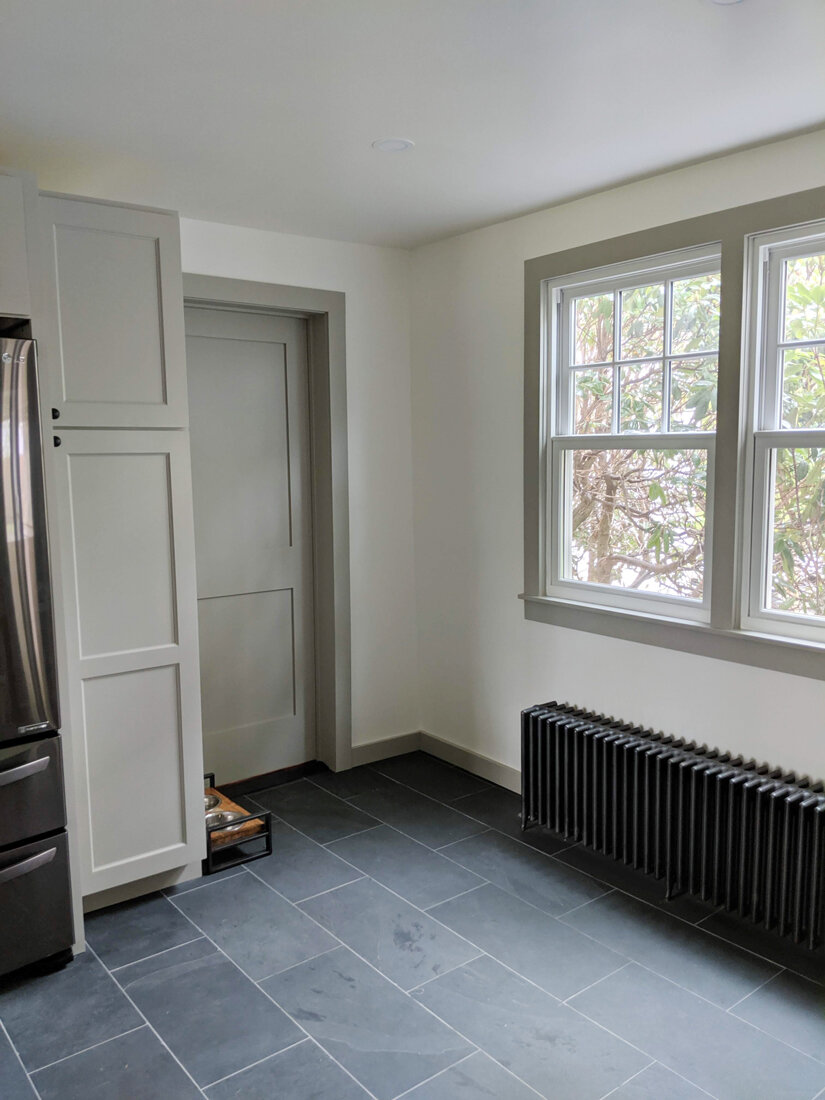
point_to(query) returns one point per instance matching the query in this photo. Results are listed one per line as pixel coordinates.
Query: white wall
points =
(385, 688)
(481, 662)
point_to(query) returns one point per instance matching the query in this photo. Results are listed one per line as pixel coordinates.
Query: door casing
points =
(324, 312)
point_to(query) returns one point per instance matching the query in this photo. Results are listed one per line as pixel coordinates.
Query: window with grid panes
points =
(633, 352)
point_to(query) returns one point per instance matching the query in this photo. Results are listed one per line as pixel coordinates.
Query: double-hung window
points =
(784, 591)
(632, 352)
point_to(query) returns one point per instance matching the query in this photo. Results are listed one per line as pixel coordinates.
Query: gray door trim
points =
(324, 311)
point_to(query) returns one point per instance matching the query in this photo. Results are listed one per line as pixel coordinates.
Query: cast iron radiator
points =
(728, 830)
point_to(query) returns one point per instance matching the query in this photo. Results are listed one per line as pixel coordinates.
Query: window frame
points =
(766, 255)
(559, 297)
(729, 635)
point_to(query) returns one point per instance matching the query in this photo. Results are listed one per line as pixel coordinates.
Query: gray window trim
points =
(722, 638)
(324, 311)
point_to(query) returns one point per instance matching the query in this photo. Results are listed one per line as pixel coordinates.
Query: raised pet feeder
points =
(233, 834)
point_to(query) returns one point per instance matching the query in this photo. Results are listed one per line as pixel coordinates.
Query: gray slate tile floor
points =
(405, 939)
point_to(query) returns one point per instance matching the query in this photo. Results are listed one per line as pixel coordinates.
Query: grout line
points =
(358, 832)
(279, 1007)
(590, 901)
(730, 1008)
(16, 1054)
(206, 880)
(485, 882)
(154, 955)
(252, 1065)
(628, 1080)
(602, 979)
(159, 1038)
(427, 1080)
(320, 894)
(93, 1046)
(435, 977)
(277, 973)
(712, 1095)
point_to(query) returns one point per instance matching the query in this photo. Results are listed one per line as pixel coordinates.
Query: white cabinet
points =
(131, 702)
(114, 304)
(16, 194)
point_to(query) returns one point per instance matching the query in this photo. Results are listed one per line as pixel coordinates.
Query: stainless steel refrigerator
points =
(35, 905)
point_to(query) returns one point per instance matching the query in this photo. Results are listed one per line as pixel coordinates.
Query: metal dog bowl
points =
(225, 818)
(210, 801)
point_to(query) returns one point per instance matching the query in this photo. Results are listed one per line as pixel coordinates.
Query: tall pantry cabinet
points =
(112, 363)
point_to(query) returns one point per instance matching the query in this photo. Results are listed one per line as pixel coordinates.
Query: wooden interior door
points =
(249, 422)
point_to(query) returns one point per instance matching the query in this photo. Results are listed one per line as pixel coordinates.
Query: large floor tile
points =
(615, 873)
(81, 1003)
(536, 945)
(688, 956)
(136, 1066)
(421, 818)
(658, 1083)
(14, 1084)
(396, 938)
(257, 928)
(314, 811)
(430, 776)
(792, 1009)
(712, 1048)
(351, 783)
(386, 1040)
(557, 1052)
(214, 1019)
(530, 875)
(779, 949)
(299, 867)
(411, 869)
(125, 933)
(476, 1078)
(303, 1072)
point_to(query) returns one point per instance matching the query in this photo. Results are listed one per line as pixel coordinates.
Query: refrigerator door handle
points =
(23, 771)
(26, 866)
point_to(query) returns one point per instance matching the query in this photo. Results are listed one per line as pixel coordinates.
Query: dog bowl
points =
(224, 818)
(210, 801)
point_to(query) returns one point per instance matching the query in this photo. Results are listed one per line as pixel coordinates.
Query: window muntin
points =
(633, 358)
(785, 586)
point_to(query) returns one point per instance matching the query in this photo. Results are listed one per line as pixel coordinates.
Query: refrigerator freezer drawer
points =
(35, 905)
(31, 790)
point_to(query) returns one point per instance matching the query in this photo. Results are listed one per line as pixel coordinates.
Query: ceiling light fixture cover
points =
(393, 145)
(727, 1)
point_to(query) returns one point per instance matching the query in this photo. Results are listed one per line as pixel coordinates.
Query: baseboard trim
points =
(372, 751)
(482, 766)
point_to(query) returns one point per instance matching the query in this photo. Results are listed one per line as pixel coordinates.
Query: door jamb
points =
(324, 311)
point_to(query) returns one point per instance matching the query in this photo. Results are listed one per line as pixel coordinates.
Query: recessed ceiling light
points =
(727, 1)
(393, 145)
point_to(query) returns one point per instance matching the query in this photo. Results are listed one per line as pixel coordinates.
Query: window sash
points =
(560, 497)
(765, 304)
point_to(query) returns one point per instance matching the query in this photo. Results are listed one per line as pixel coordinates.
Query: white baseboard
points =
(372, 751)
(483, 766)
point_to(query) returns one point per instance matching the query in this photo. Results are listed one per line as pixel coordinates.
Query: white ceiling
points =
(262, 112)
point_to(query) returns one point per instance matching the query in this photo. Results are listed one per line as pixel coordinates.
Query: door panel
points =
(114, 283)
(124, 568)
(133, 753)
(132, 701)
(250, 473)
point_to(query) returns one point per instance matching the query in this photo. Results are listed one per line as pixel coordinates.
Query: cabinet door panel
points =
(131, 684)
(115, 353)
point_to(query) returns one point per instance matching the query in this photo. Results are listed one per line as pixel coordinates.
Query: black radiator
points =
(730, 831)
